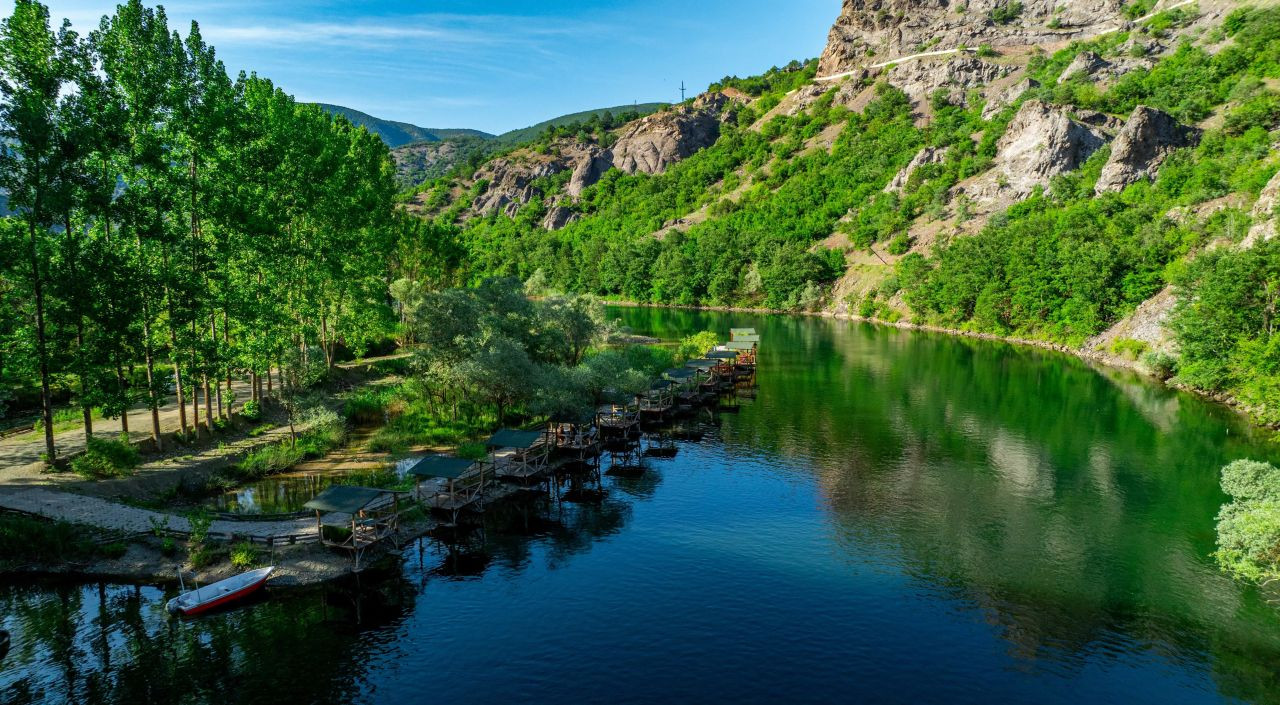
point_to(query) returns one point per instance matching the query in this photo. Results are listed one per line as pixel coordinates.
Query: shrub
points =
(1006, 13)
(1160, 363)
(986, 51)
(696, 345)
(113, 550)
(25, 538)
(901, 244)
(1249, 525)
(243, 555)
(201, 556)
(252, 410)
(105, 458)
(1128, 348)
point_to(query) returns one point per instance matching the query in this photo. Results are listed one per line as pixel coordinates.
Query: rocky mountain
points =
(1033, 169)
(649, 145)
(424, 160)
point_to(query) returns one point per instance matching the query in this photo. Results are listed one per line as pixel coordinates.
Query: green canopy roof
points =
(702, 364)
(512, 438)
(679, 374)
(345, 498)
(722, 354)
(746, 338)
(445, 466)
(735, 332)
(740, 345)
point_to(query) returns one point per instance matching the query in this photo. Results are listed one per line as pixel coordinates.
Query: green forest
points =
(171, 226)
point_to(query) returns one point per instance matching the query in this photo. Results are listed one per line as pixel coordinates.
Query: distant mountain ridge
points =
(425, 153)
(526, 134)
(396, 133)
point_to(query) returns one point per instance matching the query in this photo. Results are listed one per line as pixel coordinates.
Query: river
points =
(895, 516)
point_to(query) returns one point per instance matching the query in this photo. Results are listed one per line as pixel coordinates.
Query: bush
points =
(252, 410)
(201, 556)
(243, 555)
(29, 539)
(1006, 13)
(1160, 363)
(986, 51)
(696, 345)
(113, 550)
(901, 244)
(1249, 525)
(1128, 348)
(105, 458)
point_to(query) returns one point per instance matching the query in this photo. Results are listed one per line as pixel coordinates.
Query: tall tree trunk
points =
(226, 345)
(213, 337)
(270, 391)
(81, 365)
(173, 348)
(195, 388)
(46, 403)
(121, 388)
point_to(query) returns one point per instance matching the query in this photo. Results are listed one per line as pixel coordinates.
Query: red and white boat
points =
(203, 599)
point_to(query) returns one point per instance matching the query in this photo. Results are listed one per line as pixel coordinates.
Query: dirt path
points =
(25, 450)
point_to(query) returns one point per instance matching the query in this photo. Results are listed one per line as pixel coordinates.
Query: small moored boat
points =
(205, 598)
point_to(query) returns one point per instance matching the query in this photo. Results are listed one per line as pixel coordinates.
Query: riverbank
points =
(1100, 357)
(145, 561)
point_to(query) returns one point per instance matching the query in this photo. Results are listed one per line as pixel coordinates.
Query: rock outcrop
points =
(1264, 213)
(1086, 64)
(957, 75)
(587, 170)
(873, 31)
(1003, 99)
(653, 143)
(649, 145)
(510, 181)
(928, 155)
(1142, 145)
(557, 217)
(1041, 142)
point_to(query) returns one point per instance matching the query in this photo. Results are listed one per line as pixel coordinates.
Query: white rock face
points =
(1264, 213)
(1041, 142)
(1007, 97)
(957, 75)
(653, 143)
(1145, 141)
(872, 31)
(928, 155)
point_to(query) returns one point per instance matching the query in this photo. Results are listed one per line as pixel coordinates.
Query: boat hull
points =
(211, 597)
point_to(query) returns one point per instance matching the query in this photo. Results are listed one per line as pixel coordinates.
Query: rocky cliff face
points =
(653, 143)
(1042, 141)
(1142, 145)
(1264, 213)
(648, 145)
(873, 31)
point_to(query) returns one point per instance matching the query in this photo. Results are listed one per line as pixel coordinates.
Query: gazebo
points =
(464, 482)
(519, 455)
(359, 517)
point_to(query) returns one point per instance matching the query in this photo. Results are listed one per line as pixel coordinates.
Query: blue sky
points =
(494, 65)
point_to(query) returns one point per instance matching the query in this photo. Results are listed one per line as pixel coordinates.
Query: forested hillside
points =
(1100, 195)
(398, 133)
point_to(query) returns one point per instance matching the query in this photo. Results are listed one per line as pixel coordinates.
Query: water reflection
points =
(894, 517)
